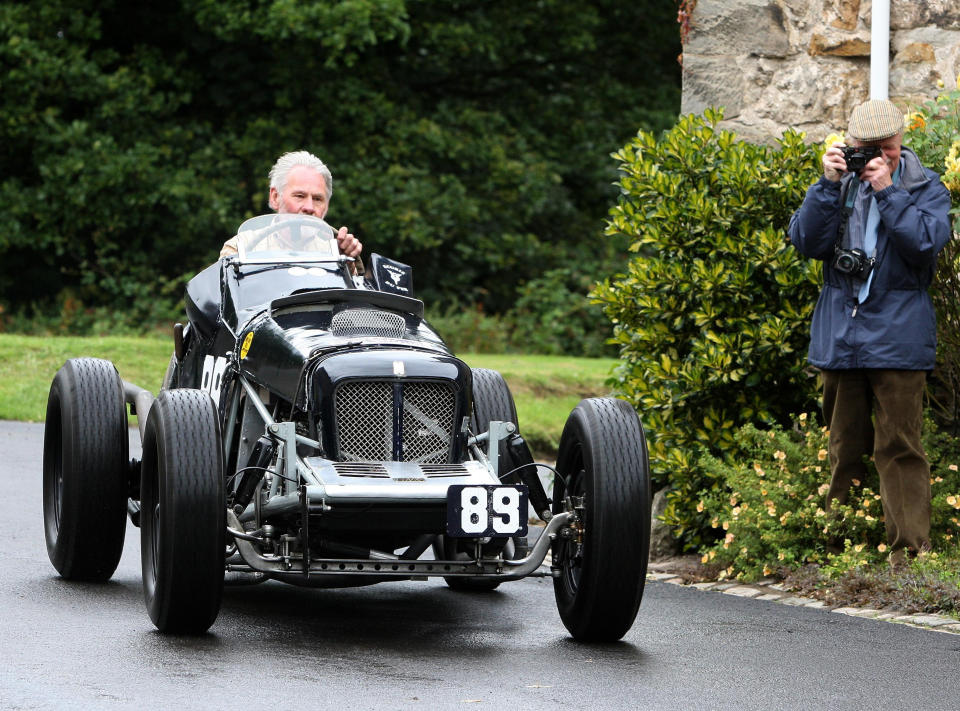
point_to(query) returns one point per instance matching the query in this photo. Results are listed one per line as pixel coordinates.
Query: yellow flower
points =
(781, 555)
(855, 482)
(802, 417)
(832, 138)
(726, 525)
(823, 489)
(700, 507)
(783, 519)
(958, 81)
(780, 455)
(767, 570)
(882, 548)
(952, 467)
(859, 547)
(705, 558)
(822, 454)
(953, 501)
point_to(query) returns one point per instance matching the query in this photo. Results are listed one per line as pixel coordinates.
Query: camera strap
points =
(849, 198)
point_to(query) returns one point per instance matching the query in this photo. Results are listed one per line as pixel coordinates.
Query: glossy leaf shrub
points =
(933, 132)
(712, 313)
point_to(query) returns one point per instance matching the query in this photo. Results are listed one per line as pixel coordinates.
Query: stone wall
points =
(774, 64)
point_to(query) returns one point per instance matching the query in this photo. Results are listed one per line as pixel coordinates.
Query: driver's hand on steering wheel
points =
(348, 244)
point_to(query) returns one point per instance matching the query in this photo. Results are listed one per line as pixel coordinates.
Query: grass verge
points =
(545, 388)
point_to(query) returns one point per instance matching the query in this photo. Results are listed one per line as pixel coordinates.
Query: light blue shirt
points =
(870, 237)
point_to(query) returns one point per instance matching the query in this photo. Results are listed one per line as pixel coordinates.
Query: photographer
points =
(877, 219)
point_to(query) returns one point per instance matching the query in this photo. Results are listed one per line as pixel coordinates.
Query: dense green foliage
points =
(712, 315)
(933, 132)
(766, 501)
(467, 138)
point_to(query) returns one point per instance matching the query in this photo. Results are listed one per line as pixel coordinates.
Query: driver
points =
(301, 184)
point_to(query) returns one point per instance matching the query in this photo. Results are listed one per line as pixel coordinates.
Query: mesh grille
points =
(364, 416)
(427, 422)
(365, 421)
(368, 322)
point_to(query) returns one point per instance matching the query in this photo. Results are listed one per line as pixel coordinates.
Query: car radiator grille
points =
(367, 322)
(368, 429)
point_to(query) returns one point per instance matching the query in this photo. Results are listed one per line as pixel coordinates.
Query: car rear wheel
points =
(491, 401)
(85, 468)
(603, 467)
(183, 512)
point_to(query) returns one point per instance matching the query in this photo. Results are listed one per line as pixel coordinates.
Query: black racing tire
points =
(447, 549)
(183, 512)
(603, 458)
(491, 401)
(85, 469)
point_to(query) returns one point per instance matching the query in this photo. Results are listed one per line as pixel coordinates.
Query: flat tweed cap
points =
(875, 120)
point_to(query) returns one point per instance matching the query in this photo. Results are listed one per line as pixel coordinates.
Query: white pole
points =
(880, 50)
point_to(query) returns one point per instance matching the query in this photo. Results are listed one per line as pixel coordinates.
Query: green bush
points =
(933, 132)
(766, 499)
(469, 330)
(712, 315)
(467, 139)
(553, 316)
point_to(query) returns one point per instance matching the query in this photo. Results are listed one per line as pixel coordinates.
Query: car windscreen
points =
(286, 238)
(254, 287)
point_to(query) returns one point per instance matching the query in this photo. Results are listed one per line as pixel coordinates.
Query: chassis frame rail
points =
(494, 568)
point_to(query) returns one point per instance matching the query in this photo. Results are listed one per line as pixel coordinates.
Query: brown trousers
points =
(892, 436)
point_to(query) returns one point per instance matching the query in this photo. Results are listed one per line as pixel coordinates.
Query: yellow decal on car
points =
(245, 347)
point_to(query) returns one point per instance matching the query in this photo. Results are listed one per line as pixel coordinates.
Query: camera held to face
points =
(857, 157)
(853, 262)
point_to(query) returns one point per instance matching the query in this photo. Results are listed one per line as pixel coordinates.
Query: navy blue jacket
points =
(895, 327)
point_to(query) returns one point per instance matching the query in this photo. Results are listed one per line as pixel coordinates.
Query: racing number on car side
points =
(488, 510)
(212, 379)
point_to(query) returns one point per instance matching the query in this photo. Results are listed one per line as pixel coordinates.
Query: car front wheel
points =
(602, 559)
(183, 512)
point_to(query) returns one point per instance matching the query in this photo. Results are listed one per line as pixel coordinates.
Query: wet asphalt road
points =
(421, 646)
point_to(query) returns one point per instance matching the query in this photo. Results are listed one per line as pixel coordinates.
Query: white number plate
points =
(484, 511)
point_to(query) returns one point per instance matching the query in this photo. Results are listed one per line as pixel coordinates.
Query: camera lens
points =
(845, 263)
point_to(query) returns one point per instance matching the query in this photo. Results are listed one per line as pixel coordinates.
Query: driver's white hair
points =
(288, 161)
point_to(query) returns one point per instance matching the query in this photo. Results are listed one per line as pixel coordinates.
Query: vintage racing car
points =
(313, 429)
